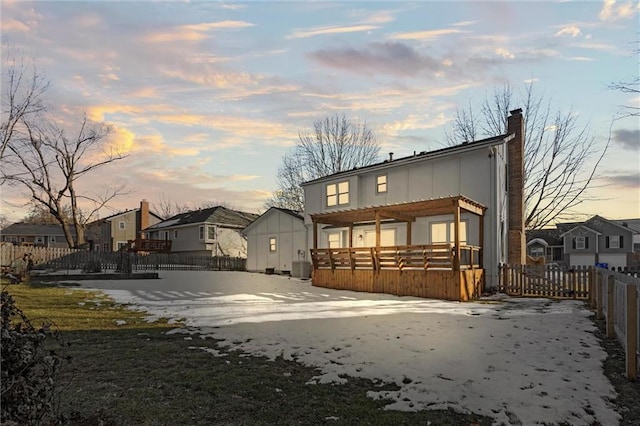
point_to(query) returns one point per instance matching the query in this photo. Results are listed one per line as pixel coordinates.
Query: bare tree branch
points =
(336, 144)
(561, 156)
(23, 88)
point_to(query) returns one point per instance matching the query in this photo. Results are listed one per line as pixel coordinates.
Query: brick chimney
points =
(515, 178)
(144, 216)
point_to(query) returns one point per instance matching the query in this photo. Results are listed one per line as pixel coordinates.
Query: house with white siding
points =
(277, 241)
(432, 224)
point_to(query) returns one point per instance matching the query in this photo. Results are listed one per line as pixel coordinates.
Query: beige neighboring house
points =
(214, 231)
(113, 232)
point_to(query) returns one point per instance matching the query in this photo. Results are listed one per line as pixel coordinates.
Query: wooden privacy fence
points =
(545, 281)
(616, 299)
(146, 262)
(72, 259)
(10, 254)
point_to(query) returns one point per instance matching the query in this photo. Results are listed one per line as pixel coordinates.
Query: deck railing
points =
(413, 257)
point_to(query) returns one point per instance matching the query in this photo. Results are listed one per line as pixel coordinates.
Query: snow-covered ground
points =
(520, 361)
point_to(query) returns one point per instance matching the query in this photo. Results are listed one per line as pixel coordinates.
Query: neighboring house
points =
(546, 243)
(277, 240)
(610, 243)
(113, 232)
(463, 203)
(215, 231)
(37, 235)
(599, 241)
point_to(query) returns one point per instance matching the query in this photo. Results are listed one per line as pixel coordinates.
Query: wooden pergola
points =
(404, 212)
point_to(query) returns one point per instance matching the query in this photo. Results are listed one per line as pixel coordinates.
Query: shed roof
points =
(295, 214)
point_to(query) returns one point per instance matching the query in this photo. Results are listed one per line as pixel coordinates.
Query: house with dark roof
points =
(36, 235)
(546, 243)
(214, 231)
(596, 241)
(113, 232)
(277, 240)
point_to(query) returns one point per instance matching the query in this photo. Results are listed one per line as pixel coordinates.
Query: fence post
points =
(598, 290)
(593, 279)
(610, 286)
(632, 332)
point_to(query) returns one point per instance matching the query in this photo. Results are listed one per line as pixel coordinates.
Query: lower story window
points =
(444, 232)
(272, 244)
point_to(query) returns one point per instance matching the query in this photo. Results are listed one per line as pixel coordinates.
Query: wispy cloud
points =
(300, 33)
(628, 139)
(193, 32)
(624, 180)
(613, 11)
(13, 25)
(388, 58)
(426, 35)
(571, 30)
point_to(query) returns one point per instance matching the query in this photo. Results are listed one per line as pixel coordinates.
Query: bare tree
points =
(39, 214)
(47, 164)
(632, 87)
(22, 90)
(561, 156)
(166, 208)
(336, 144)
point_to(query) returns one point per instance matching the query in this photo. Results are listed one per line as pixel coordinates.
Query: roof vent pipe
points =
(391, 156)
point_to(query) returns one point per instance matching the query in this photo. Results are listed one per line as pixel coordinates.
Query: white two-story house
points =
(433, 224)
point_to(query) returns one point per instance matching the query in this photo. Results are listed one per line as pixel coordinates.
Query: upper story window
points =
(211, 232)
(381, 184)
(121, 225)
(581, 243)
(614, 241)
(273, 244)
(201, 232)
(338, 193)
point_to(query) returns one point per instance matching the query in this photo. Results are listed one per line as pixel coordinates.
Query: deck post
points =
(408, 233)
(377, 229)
(315, 235)
(456, 235)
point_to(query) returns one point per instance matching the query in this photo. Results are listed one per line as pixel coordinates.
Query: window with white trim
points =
(273, 246)
(338, 193)
(39, 240)
(444, 232)
(122, 225)
(121, 244)
(614, 241)
(211, 232)
(381, 184)
(537, 251)
(333, 240)
(580, 243)
(52, 239)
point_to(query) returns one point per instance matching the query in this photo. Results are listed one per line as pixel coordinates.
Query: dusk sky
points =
(206, 97)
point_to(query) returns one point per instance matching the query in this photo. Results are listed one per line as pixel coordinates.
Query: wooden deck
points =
(417, 270)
